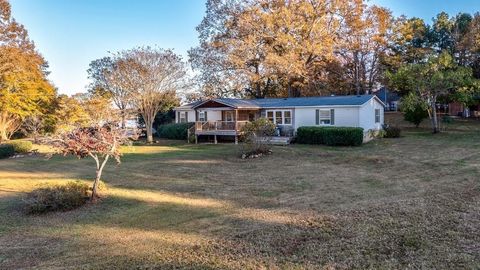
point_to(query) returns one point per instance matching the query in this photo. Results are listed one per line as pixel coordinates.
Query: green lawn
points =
(412, 202)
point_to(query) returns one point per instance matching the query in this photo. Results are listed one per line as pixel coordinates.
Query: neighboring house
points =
(226, 116)
(458, 109)
(389, 98)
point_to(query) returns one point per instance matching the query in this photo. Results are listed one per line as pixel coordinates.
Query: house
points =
(458, 109)
(389, 98)
(226, 116)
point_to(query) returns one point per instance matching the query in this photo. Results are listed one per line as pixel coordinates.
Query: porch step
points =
(280, 140)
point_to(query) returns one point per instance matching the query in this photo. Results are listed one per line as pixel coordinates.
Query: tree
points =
(33, 126)
(98, 108)
(24, 89)
(438, 77)
(70, 114)
(365, 36)
(106, 83)
(151, 78)
(267, 47)
(410, 43)
(99, 143)
(414, 108)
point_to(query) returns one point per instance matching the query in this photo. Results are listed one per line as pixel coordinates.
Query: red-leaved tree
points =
(99, 143)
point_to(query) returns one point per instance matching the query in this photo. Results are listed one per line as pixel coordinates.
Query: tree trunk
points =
(357, 73)
(434, 116)
(4, 126)
(98, 175)
(95, 185)
(149, 132)
(123, 119)
(3, 133)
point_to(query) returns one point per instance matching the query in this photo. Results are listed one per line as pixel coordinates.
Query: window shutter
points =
(332, 117)
(317, 117)
(178, 117)
(186, 117)
(205, 114)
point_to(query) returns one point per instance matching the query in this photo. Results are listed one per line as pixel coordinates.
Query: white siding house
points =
(226, 116)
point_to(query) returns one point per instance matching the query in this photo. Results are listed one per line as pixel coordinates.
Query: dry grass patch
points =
(412, 202)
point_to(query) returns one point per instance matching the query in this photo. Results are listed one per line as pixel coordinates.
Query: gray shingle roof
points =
(190, 105)
(291, 102)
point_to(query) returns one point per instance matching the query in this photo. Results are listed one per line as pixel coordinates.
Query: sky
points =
(72, 33)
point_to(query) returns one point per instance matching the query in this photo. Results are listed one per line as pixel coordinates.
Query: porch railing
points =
(219, 125)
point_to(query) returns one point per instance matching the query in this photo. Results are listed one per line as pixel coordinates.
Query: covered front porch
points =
(218, 119)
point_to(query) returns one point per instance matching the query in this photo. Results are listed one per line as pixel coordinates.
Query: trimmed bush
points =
(344, 136)
(57, 198)
(21, 146)
(176, 131)
(6, 150)
(392, 132)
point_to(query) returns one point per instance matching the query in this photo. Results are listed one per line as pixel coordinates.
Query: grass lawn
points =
(412, 202)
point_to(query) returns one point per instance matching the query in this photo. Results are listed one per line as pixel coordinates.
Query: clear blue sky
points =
(71, 33)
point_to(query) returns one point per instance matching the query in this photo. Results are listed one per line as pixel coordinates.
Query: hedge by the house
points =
(21, 146)
(345, 136)
(177, 131)
(6, 150)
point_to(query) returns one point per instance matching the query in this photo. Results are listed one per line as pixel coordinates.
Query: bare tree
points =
(108, 81)
(33, 126)
(151, 78)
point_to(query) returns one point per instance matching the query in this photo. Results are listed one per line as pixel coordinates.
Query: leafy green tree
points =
(439, 76)
(414, 108)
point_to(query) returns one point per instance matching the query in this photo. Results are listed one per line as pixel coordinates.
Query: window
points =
(183, 117)
(287, 117)
(324, 117)
(377, 115)
(280, 117)
(201, 116)
(229, 116)
(270, 116)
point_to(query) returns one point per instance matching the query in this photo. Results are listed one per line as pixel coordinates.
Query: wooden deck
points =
(218, 128)
(223, 128)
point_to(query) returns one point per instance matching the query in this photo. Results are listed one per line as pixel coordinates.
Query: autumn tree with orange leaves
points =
(24, 89)
(290, 48)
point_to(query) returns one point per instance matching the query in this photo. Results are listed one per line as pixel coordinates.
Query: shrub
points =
(57, 198)
(21, 146)
(447, 119)
(6, 150)
(416, 115)
(176, 131)
(414, 108)
(392, 132)
(346, 136)
(257, 136)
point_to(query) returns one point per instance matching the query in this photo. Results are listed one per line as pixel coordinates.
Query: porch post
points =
(236, 119)
(236, 126)
(215, 138)
(196, 139)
